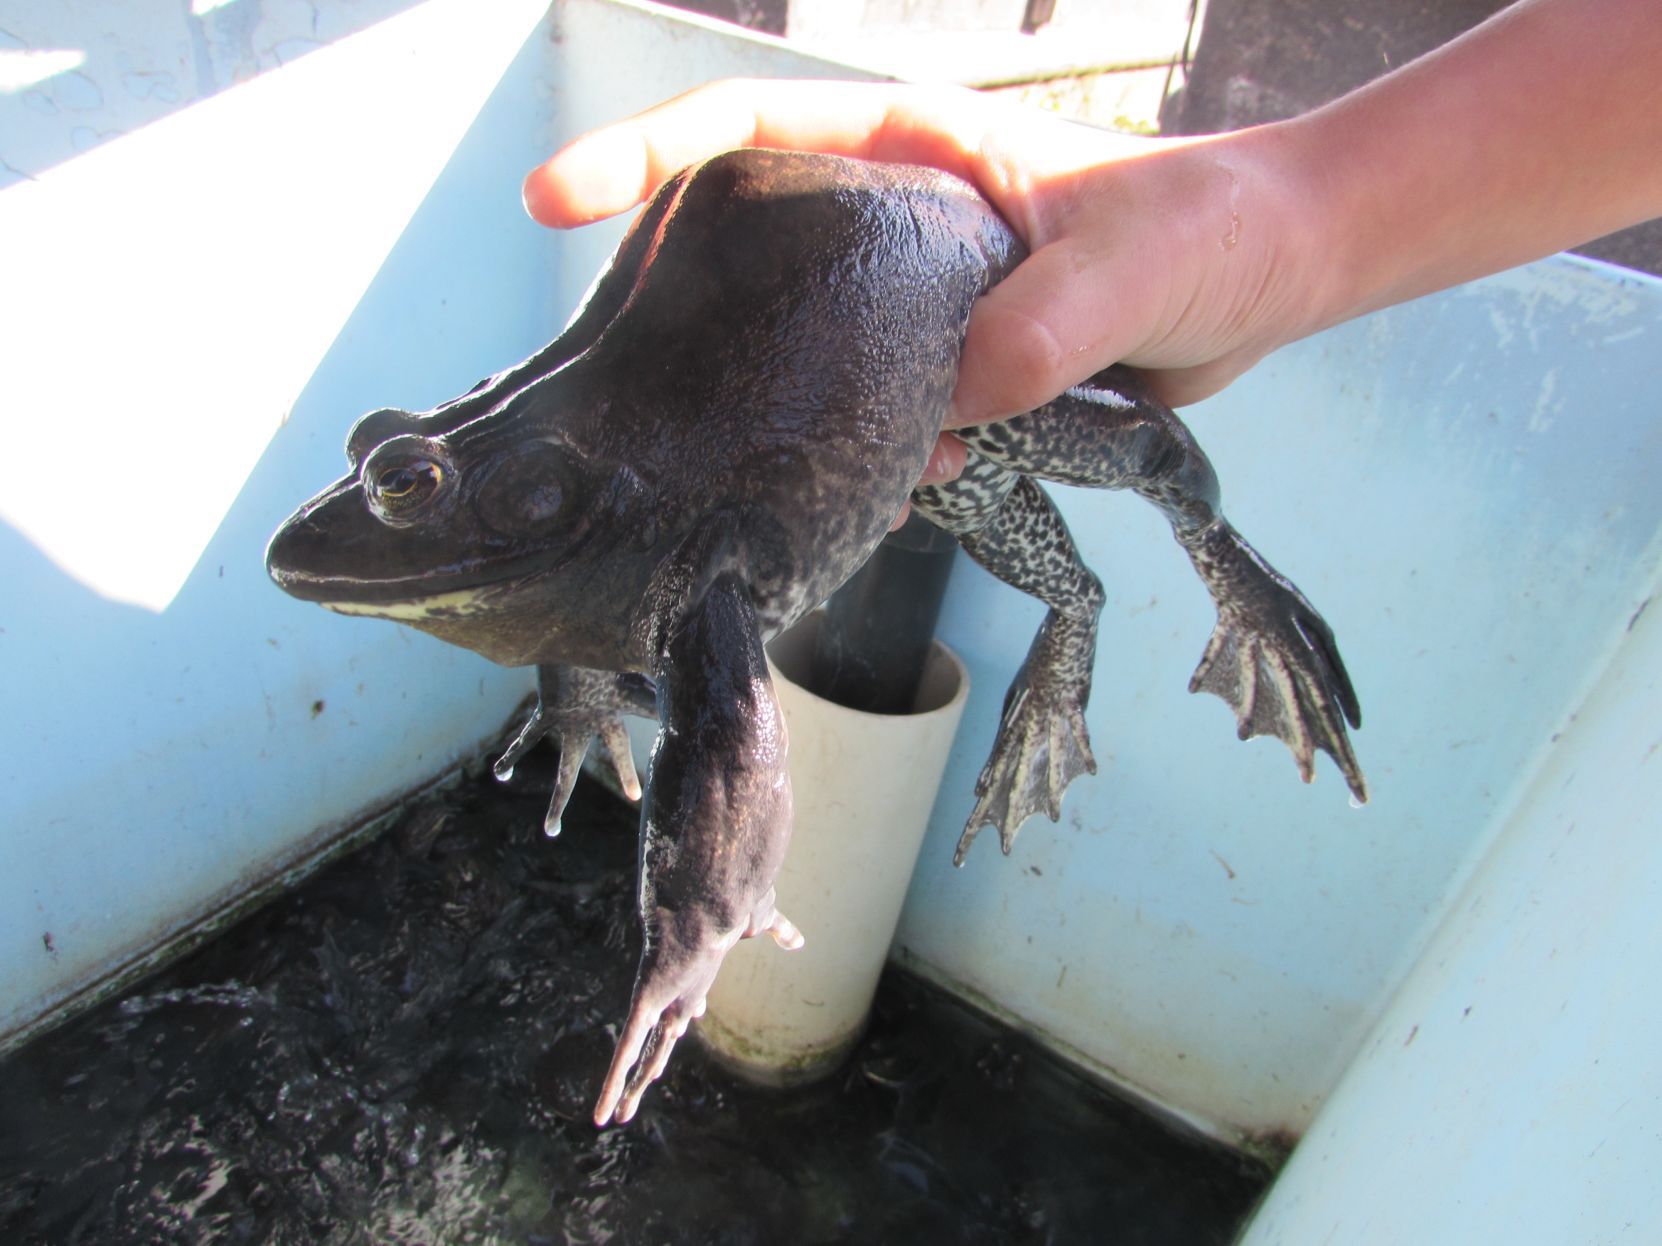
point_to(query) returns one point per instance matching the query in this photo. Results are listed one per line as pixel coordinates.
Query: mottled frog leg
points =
(575, 704)
(1009, 525)
(1272, 657)
(717, 822)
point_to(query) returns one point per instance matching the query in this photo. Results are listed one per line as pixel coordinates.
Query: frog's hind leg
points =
(1272, 657)
(1008, 524)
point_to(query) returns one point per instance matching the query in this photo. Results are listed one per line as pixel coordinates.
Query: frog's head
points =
(488, 532)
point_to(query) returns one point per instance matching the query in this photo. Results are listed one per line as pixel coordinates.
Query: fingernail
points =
(533, 195)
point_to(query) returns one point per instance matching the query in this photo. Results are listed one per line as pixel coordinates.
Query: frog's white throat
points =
(457, 604)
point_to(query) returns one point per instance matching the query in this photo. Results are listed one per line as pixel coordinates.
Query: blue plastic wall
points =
(1511, 1092)
(1466, 486)
(195, 307)
(220, 245)
(226, 230)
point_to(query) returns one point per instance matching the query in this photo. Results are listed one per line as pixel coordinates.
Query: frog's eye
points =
(409, 482)
(400, 481)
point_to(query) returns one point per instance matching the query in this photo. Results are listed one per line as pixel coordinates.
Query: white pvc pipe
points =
(863, 786)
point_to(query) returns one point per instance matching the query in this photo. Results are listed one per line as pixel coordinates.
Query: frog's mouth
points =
(307, 561)
(403, 601)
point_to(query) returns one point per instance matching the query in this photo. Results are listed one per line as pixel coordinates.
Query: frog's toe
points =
(665, 1003)
(782, 928)
(572, 734)
(574, 705)
(616, 739)
(1042, 746)
(530, 735)
(675, 978)
(571, 765)
(1274, 660)
(642, 1055)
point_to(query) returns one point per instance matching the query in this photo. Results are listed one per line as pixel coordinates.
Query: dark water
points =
(406, 1049)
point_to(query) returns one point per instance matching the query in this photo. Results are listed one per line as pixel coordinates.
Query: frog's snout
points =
(293, 547)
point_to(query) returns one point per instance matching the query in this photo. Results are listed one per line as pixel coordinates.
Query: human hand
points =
(1184, 257)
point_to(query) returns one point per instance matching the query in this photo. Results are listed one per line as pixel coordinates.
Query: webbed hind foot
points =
(1273, 658)
(1042, 744)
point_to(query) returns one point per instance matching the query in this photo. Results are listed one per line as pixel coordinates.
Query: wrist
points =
(1310, 259)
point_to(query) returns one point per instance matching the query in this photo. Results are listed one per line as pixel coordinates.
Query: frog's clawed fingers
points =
(782, 929)
(573, 706)
(1042, 746)
(643, 1048)
(1274, 660)
(670, 993)
(573, 733)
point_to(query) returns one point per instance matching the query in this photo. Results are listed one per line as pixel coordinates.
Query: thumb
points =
(1053, 322)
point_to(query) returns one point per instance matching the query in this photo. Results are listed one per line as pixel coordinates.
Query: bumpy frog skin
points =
(718, 440)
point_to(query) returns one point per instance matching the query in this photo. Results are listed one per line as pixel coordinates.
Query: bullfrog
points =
(720, 436)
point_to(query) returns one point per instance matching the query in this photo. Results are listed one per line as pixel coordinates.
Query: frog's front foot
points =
(1273, 658)
(678, 967)
(1042, 744)
(718, 821)
(574, 705)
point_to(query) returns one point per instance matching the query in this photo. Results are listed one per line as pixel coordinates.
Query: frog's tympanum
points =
(719, 438)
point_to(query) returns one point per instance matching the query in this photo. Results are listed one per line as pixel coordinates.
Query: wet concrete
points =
(407, 1047)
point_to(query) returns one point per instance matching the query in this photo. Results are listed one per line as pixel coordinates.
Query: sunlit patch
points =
(22, 68)
(146, 369)
(1100, 397)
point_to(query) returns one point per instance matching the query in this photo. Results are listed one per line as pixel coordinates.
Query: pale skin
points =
(1192, 258)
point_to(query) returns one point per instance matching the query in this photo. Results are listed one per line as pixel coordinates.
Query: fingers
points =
(946, 462)
(1110, 230)
(572, 750)
(642, 1055)
(655, 1059)
(616, 739)
(612, 169)
(529, 736)
(665, 1003)
(641, 1058)
(629, 1044)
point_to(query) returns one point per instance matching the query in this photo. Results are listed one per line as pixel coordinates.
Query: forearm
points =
(1192, 258)
(1536, 131)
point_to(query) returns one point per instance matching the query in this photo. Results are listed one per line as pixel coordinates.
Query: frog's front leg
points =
(1272, 657)
(1009, 525)
(718, 820)
(575, 704)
